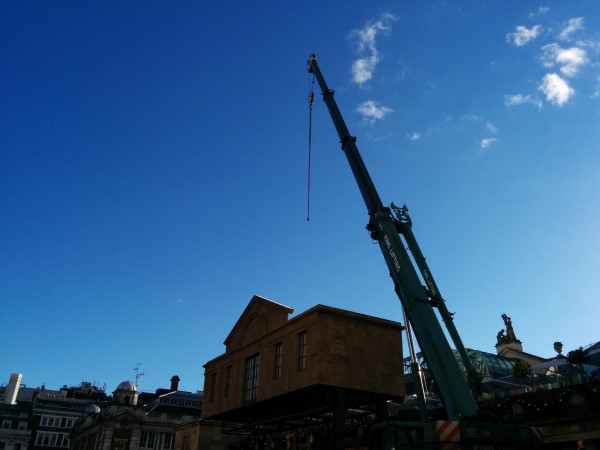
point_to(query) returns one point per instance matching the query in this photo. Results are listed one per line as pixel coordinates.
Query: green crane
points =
(392, 229)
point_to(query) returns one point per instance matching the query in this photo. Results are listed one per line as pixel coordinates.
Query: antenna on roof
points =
(138, 375)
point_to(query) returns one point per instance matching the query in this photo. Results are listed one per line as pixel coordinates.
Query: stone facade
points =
(268, 355)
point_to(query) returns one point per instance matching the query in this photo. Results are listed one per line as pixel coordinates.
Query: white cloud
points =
(520, 99)
(414, 136)
(570, 59)
(523, 35)
(362, 69)
(556, 89)
(541, 10)
(516, 99)
(371, 111)
(573, 25)
(364, 66)
(485, 143)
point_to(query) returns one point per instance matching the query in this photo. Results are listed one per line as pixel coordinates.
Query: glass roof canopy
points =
(486, 364)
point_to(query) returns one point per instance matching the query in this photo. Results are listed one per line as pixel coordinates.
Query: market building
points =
(308, 379)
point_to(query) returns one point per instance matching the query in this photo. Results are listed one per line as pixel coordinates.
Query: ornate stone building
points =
(127, 424)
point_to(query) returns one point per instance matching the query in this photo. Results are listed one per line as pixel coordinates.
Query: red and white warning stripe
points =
(448, 434)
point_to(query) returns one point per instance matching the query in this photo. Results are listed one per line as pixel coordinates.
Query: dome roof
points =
(92, 409)
(127, 386)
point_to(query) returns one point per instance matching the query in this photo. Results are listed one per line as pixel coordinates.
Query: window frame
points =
(302, 357)
(50, 421)
(213, 387)
(251, 378)
(48, 439)
(228, 380)
(278, 360)
(147, 439)
(168, 441)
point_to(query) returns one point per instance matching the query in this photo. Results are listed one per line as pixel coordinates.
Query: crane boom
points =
(417, 301)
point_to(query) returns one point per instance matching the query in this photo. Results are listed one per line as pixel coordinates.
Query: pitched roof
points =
(259, 318)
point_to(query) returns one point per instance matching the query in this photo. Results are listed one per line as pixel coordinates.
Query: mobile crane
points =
(392, 229)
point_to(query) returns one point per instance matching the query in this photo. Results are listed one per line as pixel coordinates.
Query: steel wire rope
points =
(311, 96)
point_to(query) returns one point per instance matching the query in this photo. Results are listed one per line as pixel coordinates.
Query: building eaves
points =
(324, 309)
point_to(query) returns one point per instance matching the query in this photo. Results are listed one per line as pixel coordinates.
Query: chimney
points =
(174, 383)
(11, 391)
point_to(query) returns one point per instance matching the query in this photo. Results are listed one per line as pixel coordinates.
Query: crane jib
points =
(454, 390)
(388, 244)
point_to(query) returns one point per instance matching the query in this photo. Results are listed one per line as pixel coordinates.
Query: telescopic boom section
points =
(454, 390)
(365, 184)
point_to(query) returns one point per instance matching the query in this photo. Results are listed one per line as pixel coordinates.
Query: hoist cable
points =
(311, 96)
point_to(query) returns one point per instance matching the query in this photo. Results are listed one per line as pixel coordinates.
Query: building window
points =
(213, 387)
(302, 351)
(22, 425)
(278, 361)
(48, 421)
(69, 423)
(169, 441)
(2, 445)
(46, 439)
(228, 379)
(120, 444)
(147, 439)
(6, 423)
(251, 380)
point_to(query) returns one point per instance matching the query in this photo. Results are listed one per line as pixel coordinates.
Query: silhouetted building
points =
(324, 365)
(15, 417)
(128, 423)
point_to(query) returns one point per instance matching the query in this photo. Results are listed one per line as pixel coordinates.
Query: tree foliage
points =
(521, 369)
(576, 356)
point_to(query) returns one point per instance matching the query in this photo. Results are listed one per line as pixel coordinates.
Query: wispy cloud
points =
(523, 35)
(520, 99)
(556, 89)
(490, 127)
(570, 60)
(414, 136)
(369, 56)
(371, 111)
(596, 93)
(572, 26)
(470, 117)
(541, 11)
(561, 64)
(487, 142)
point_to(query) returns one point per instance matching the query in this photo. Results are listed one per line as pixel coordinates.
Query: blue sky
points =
(153, 173)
